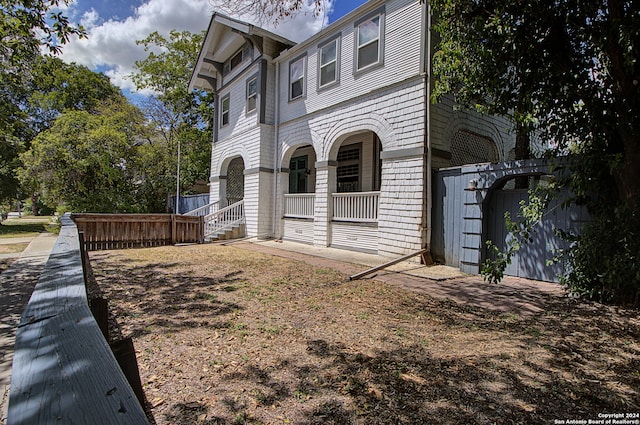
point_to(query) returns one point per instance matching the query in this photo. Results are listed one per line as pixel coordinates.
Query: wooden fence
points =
(118, 231)
(64, 371)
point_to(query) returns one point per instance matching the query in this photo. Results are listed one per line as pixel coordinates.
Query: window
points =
(239, 57)
(369, 42)
(348, 171)
(252, 94)
(296, 78)
(328, 63)
(224, 111)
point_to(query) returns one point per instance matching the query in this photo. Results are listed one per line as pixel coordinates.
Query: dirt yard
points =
(229, 336)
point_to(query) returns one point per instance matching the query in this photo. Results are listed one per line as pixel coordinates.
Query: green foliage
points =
(569, 71)
(15, 229)
(89, 161)
(179, 117)
(56, 86)
(603, 262)
(26, 26)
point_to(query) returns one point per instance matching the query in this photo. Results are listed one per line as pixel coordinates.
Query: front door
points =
(298, 174)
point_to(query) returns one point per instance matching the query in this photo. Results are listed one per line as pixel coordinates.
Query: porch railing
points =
(359, 207)
(299, 205)
(205, 209)
(224, 218)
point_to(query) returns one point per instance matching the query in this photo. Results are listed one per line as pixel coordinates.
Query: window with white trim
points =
(369, 42)
(224, 111)
(296, 79)
(328, 63)
(252, 94)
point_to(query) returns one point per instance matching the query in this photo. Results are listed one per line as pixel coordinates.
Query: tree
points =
(25, 27)
(272, 10)
(89, 161)
(55, 87)
(569, 70)
(179, 117)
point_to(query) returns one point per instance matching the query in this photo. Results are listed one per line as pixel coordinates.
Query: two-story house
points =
(332, 141)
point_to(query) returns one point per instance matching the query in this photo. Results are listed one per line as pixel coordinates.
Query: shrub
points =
(602, 264)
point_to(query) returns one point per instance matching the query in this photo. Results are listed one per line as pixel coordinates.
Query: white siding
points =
(354, 237)
(239, 121)
(401, 61)
(395, 114)
(298, 231)
(402, 205)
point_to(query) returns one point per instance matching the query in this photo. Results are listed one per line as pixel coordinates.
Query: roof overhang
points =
(216, 48)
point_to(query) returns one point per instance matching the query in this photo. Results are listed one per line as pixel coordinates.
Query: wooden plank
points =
(65, 372)
(388, 264)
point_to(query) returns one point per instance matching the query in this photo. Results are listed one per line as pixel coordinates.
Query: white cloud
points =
(111, 44)
(90, 19)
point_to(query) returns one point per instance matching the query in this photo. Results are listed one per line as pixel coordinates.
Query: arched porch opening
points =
(355, 186)
(234, 183)
(298, 180)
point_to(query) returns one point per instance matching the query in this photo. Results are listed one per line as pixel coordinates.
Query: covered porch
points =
(334, 203)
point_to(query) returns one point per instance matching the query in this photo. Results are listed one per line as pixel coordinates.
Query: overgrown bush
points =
(604, 262)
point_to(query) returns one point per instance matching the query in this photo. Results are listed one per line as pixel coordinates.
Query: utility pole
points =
(178, 182)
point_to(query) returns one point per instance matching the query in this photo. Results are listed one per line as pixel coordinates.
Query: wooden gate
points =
(468, 209)
(531, 261)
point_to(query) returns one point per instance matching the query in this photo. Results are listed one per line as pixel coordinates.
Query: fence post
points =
(173, 229)
(201, 230)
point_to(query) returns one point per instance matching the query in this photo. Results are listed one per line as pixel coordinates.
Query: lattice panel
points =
(235, 180)
(469, 148)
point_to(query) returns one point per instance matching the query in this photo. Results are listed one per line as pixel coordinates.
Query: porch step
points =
(235, 231)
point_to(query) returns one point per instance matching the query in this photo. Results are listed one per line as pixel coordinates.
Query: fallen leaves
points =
(282, 343)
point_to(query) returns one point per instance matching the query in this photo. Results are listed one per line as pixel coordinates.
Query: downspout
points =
(276, 170)
(428, 125)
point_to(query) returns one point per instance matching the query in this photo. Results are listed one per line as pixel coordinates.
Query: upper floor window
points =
(235, 60)
(329, 56)
(224, 111)
(252, 94)
(369, 41)
(296, 78)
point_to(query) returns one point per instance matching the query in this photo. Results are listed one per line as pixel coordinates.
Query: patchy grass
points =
(227, 336)
(18, 228)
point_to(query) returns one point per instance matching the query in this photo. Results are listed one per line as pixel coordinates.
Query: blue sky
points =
(113, 26)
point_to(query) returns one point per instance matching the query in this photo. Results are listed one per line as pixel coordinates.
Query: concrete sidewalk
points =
(16, 285)
(513, 295)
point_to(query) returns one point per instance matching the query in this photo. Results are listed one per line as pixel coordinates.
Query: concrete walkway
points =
(16, 285)
(513, 295)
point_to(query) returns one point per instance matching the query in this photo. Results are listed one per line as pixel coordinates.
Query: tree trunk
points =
(34, 205)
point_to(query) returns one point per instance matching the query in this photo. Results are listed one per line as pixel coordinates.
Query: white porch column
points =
(258, 201)
(282, 182)
(325, 184)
